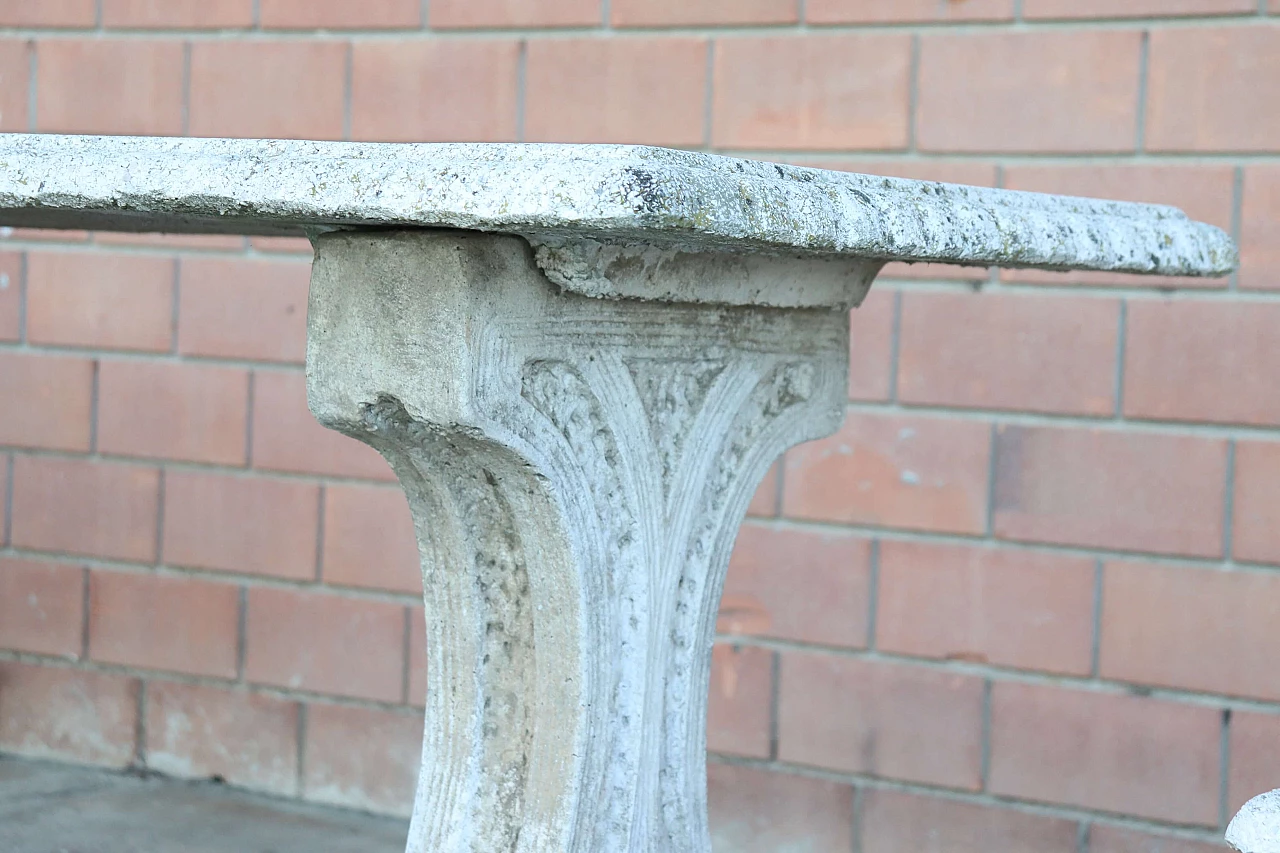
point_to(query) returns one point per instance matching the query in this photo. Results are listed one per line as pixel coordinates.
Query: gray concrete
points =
(569, 197)
(1256, 828)
(51, 808)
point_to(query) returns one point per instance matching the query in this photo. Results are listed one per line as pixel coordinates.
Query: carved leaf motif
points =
(672, 393)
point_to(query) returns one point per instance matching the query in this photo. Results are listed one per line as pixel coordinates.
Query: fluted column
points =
(577, 469)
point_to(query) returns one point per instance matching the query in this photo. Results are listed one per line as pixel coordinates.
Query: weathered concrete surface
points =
(563, 195)
(1256, 827)
(49, 808)
(577, 470)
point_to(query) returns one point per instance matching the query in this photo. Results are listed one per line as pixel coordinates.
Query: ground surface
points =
(49, 808)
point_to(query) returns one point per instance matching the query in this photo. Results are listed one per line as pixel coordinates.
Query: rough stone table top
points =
(658, 196)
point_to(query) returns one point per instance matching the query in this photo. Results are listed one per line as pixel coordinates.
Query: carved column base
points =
(577, 469)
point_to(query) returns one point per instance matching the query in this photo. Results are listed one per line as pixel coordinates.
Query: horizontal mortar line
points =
(801, 525)
(1106, 422)
(1156, 290)
(1042, 809)
(226, 577)
(889, 534)
(996, 158)
(411, 600)
(151, 356)
(1251, 19)
(1014, 675)
(1218, 293)
(845, 156)
(198, 467)
(1212, 289)
(169, 253)
(169, 676)
(69, 246)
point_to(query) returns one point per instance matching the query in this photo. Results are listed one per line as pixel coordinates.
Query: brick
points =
(906, 11)
(1074, 92)
(514, 14)
(268, 89)
(250, 525)
(917, 473)
(902, 271)
(243, 308)
(362, 758)
(369, 539)
(435, 91)
(324, 643)
(68, 714)
(283, 245)
(245, 739)
(871, 346)
(1199, 629)
(41, 607)
(740, 701)
(177, 14)
(6, 467)
(809, 586)
(103, 300)
(685, 13)
(764, 503)
(101, 509)
(895, 821)
(15, 84)
(1260, 229)
(1205, 193)
(1123, 490)
(1115, 839)
(154, 240)
(178, 624)
(1067, 9)
(11, 287)
(760, 811)
(47, 13)
(1257, 494)
(993, 351)
(50, 400)
(1124, 754)
(417, 657)
(1255, 754)
(1213, 89)
(287, 437)
(168, 410)
(1198, 361)
(340, 14)
(1009, 608)
(888, 720)
(633, 90)
(44, 235)
(116, 86)
(836, 92)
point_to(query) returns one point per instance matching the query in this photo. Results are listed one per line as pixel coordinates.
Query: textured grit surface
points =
(682, 200)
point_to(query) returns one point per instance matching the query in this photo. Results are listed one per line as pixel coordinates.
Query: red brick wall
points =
(1028, 597)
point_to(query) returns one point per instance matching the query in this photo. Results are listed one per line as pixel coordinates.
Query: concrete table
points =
(580, 361)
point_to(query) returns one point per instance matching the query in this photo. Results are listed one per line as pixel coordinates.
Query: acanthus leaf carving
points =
(577, 470)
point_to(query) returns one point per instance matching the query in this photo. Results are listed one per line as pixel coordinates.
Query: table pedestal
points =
(577, 469)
